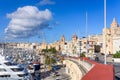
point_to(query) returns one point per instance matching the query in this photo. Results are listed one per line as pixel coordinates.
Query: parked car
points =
(53, 74)
(96, 58)
(57, 79)
(94, 55)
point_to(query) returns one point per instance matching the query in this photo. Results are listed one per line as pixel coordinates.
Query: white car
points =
(57, 78)
(52, 74)
(94, 55)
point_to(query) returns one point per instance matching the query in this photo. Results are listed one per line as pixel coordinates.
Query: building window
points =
(80, 43)
(84, 42)
(34, 47)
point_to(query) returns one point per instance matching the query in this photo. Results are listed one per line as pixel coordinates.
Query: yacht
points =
(9, 70)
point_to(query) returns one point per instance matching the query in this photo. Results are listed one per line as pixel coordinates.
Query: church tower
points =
(63, 39)
(74, 38)
(114, 27)
(114, 23)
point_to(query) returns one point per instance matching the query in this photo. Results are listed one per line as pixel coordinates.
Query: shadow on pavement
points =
(117, 78)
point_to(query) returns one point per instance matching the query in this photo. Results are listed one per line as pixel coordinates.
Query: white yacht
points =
(10, 71)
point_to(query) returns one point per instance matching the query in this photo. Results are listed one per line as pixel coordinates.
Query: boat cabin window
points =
(17, 69)
(2, 70)
(4, 75)
(9, 64)
(21, 75)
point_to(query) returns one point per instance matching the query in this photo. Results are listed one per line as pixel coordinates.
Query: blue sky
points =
(65, 17)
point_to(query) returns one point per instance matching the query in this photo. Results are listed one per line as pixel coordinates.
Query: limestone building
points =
(112, 38)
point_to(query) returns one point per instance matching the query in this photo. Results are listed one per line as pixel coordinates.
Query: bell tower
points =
(114, 23)
(114, 26)
(74, 38)
(63, 39)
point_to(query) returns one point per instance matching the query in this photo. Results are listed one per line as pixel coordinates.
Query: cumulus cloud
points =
(27, 21)
(46, 2)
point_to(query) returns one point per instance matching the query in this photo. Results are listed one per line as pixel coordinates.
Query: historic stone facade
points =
(111, 34)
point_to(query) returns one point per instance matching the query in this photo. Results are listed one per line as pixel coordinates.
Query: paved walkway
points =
(61, 75)
(100, 72)
(109, 61)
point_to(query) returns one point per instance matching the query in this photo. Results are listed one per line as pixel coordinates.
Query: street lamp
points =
(87, 41)
(105, 32)
(80, 44)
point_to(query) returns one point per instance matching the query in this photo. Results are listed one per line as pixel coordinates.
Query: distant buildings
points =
(76, 46)
(71, 48)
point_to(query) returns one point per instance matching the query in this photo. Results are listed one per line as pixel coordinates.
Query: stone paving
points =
(109, 61)
(61, 75)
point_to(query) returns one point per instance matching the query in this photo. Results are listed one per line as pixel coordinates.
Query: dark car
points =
(96, 58)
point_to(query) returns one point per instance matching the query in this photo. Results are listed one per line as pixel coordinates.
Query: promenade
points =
(89, 70)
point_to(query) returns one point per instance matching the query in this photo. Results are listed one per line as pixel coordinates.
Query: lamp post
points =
(87, 45)
(105, 32)
(80, 46)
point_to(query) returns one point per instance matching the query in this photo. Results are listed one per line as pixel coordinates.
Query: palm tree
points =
(49, 59)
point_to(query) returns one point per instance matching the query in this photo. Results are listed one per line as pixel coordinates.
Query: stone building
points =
(112, 35)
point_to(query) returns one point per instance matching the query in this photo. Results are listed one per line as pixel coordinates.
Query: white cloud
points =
(57, 23)
(46, 2)
(27, 21)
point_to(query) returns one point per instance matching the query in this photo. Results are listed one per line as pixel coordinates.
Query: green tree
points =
(49, 55)
(116, 55)
(82, 54)
(44, 50)
(52, 50)
(50, 61)
(47, 60)
(53, 61)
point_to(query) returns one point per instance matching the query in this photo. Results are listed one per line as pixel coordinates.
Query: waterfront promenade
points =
(90, 70)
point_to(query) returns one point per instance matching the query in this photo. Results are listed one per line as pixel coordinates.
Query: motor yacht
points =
(9, 70)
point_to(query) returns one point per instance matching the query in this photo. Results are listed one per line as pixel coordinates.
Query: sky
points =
(48, 20)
